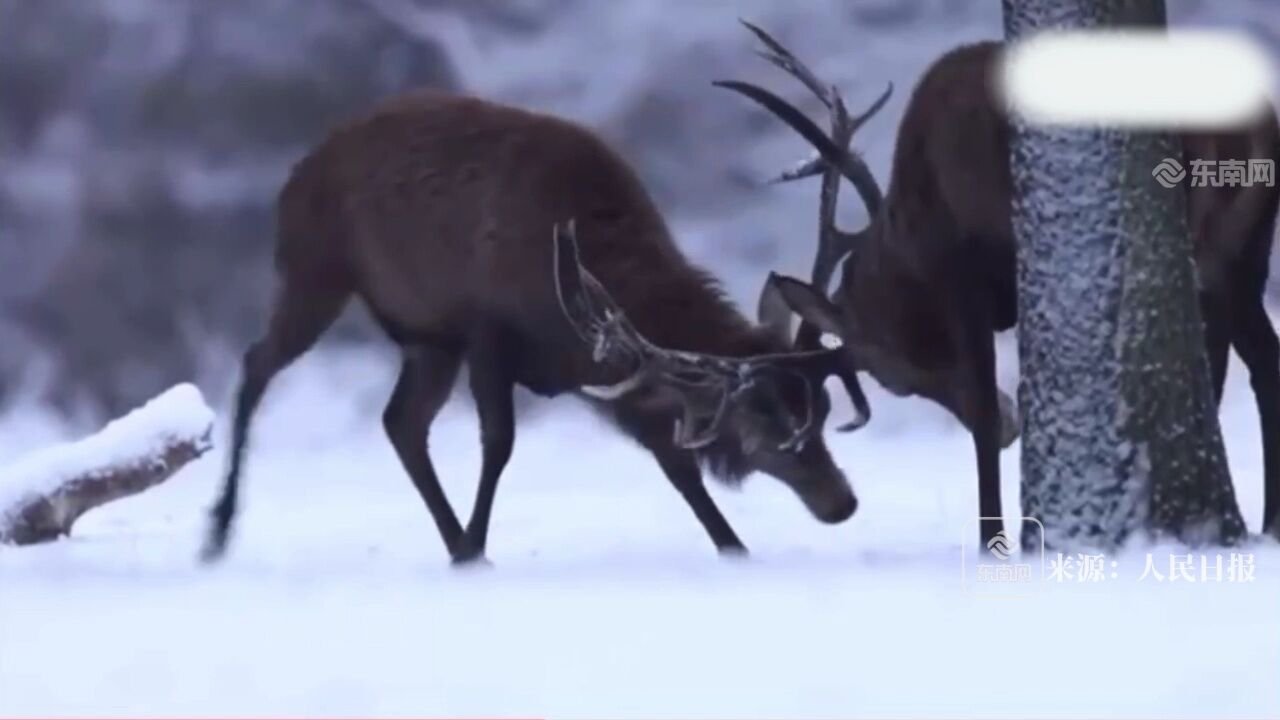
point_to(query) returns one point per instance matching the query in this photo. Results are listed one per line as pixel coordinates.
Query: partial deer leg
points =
(681, 469)
(493, 387)
(1217, 336)
(986, 441)
(305, 308)
(1255, 339)
(427, 374)
(979, 401)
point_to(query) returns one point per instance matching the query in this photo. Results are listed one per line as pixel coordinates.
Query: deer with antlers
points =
(933, 275)
(437, 211)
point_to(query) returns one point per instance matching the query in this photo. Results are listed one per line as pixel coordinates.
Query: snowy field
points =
(605, 598)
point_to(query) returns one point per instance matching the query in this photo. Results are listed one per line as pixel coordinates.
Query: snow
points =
(605, 598)
(177, 415)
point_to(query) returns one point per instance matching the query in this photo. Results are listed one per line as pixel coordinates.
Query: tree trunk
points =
(1120, 428)
(44, 493)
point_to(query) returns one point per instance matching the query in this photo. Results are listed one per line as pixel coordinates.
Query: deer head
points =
(886, 350)
(773, 405)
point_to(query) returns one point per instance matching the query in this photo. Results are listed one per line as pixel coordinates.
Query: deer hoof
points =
(857, 423)
(733, 552)
(478, 560)
(469, 554)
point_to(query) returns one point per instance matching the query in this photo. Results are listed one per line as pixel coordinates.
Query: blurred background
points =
(142, 143)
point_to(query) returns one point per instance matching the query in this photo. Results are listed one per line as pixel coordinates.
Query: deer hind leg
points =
(427, 374)
(493, 388)
(1256, 342)
(305, 308)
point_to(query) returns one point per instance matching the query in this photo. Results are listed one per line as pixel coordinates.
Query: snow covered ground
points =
(605, 598)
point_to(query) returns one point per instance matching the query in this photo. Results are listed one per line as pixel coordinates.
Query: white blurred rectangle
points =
(1183, 79)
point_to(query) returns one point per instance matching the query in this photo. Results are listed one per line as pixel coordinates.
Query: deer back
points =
(442, 207)
(1231, 224)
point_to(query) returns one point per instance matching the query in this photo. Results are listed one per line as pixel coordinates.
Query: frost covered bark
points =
(44, 493)
(1120, 430)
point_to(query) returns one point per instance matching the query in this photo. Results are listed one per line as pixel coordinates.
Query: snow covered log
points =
(45, 492)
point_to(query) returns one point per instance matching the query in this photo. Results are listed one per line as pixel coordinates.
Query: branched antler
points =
(834, 158)
(707, 385)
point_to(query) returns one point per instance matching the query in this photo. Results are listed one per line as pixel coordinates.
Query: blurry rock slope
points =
(142, 143)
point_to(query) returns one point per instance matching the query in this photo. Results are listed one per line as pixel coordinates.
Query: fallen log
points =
(45, 492)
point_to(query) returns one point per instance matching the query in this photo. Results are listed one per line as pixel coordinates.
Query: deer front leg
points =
(653, 431)
(426, 376)
(493, 388)
(987, 443)
(682, 470)
(990, 416)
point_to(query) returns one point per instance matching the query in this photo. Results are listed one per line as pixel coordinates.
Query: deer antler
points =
(698, 380)
(701, 382)
(834, 156)
(833, 159)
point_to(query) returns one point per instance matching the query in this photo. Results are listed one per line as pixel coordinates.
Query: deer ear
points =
(772, 311)
(810, 303)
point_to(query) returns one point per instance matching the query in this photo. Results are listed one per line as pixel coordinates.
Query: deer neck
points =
(688, 311)
(878, 297)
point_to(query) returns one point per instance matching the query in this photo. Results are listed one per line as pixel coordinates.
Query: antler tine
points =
(852, 166)
(834, 243)
(789, 63)
(815, 366)
(592, 313)
(598, 320)
(687, 433)
(800, 433)
(810, 166)
(836, 157)
(874, 108)
(830, 239)
(815, 164)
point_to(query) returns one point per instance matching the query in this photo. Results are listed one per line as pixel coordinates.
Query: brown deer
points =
(930, 278)
(438, 212)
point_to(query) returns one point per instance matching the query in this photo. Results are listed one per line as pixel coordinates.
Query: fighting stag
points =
(437, 211)
(933, 275)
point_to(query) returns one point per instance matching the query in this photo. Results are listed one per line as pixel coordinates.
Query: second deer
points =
(927, 282)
